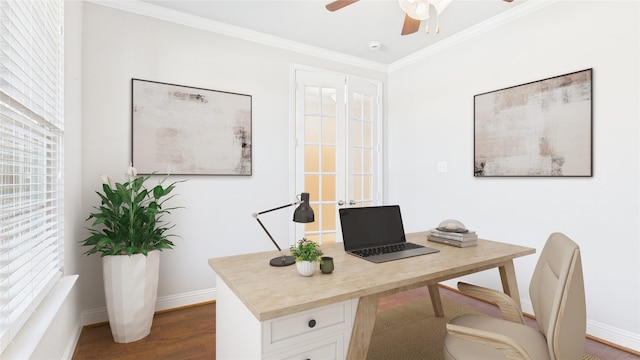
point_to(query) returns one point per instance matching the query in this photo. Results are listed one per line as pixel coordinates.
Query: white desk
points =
(264, 311)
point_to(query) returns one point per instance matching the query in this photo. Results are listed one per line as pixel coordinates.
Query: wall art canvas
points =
(192, 131)
(543, 128)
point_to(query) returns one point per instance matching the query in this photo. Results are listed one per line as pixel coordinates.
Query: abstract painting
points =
(191, 131)
(542, 128)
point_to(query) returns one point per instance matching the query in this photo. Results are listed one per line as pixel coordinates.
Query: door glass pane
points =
(311, 100)
(357, 188)
(367, 157)
(356, 133)
(312, 129)
(328, 219)
(328, 130)
(368, 134)
(357, 160)
(329, 101)
(367, 187)
(328, 187)
(367, 107)
(329, 158)
(311, 158)
(357, 106)
(312, 186)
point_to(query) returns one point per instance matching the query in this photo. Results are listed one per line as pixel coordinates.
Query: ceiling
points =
(348, 31)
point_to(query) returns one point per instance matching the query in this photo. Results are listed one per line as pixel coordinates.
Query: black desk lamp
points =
(302, 214)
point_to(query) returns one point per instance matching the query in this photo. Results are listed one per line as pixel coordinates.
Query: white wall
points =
(217, 221)
(431, 120)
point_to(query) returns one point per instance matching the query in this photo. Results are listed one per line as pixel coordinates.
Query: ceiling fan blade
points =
(410, 25)
(339, 4)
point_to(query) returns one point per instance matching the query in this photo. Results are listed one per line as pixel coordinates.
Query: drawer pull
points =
(312, 323)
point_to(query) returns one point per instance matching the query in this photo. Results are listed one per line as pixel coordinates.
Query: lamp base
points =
(282, 261)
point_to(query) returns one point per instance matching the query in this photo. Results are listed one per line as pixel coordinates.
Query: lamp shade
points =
(304, 212)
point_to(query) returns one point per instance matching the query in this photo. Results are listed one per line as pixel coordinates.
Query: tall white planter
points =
(131, 289)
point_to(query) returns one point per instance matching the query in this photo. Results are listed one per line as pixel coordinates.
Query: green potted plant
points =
(129, 231)
(307, 253)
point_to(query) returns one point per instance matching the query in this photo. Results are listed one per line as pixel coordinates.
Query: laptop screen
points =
(371, 226)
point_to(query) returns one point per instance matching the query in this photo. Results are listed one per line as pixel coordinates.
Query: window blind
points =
(31, 154)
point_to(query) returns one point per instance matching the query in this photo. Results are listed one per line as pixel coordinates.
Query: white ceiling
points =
(347, 31)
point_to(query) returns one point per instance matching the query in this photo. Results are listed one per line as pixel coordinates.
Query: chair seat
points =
(529, 338)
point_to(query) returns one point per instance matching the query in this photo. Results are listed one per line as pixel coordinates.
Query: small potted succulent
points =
(307, 254)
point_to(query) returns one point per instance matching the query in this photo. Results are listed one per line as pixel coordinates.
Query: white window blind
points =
(31, 153)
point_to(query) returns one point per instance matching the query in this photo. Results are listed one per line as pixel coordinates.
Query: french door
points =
(337, 151)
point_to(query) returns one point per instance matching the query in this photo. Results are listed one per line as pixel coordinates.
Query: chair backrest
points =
(557, 296)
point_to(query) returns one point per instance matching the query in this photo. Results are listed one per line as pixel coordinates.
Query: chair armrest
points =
(511, 349)
(509, 308)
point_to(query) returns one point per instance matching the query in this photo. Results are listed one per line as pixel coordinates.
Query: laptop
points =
(376, 234)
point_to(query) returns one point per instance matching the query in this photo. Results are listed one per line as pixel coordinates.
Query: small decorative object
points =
(326, 265)
(308, 253)
(129, 233)
(306, 268)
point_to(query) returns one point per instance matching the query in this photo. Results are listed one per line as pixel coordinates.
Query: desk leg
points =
(363, 327)
(509, 283)
(434, 293)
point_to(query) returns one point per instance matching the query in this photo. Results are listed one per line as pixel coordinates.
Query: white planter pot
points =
(131, 289)
(306, 268)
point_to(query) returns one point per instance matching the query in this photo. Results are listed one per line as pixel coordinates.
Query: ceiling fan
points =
(415, 12)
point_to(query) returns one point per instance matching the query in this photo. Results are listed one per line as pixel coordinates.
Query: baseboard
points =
(613, 336)
(99, 315)
(74, 337)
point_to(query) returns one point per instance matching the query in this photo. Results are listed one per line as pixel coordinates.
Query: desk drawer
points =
(290, 330)
(331, 348)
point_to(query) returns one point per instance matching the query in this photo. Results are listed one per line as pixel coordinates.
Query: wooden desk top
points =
(270, 292)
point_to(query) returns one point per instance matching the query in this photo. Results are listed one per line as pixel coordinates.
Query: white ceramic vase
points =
(306, 268)
(131, 289)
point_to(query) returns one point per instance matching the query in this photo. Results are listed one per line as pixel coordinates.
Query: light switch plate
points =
(442, 166)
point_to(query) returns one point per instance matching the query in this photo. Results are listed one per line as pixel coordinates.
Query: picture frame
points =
(185, 130)
(538, 129)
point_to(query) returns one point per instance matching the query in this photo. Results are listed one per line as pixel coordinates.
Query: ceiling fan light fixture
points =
(415, 9)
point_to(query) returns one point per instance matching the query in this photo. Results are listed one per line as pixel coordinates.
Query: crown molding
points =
(497, 21)
(158, 12)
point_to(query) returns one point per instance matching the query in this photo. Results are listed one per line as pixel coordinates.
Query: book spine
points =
(456, 243)
(455, 237)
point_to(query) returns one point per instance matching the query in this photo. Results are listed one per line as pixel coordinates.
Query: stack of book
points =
(469, 238)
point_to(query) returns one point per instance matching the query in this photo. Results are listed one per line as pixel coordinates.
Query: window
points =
(31, 153)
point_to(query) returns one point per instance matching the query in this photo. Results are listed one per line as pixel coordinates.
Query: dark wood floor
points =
(190, 333)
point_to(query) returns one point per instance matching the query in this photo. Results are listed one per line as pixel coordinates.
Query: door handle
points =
(351, 202)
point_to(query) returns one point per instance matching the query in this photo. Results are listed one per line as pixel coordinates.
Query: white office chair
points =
(557, 296)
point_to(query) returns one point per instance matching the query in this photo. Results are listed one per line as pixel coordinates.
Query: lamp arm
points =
(268, 234)
(255, 215)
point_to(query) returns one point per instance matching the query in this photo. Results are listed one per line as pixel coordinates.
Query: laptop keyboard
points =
(385, 249)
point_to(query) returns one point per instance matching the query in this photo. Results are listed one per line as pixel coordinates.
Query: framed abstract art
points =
(542, 128)
(191, 131)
